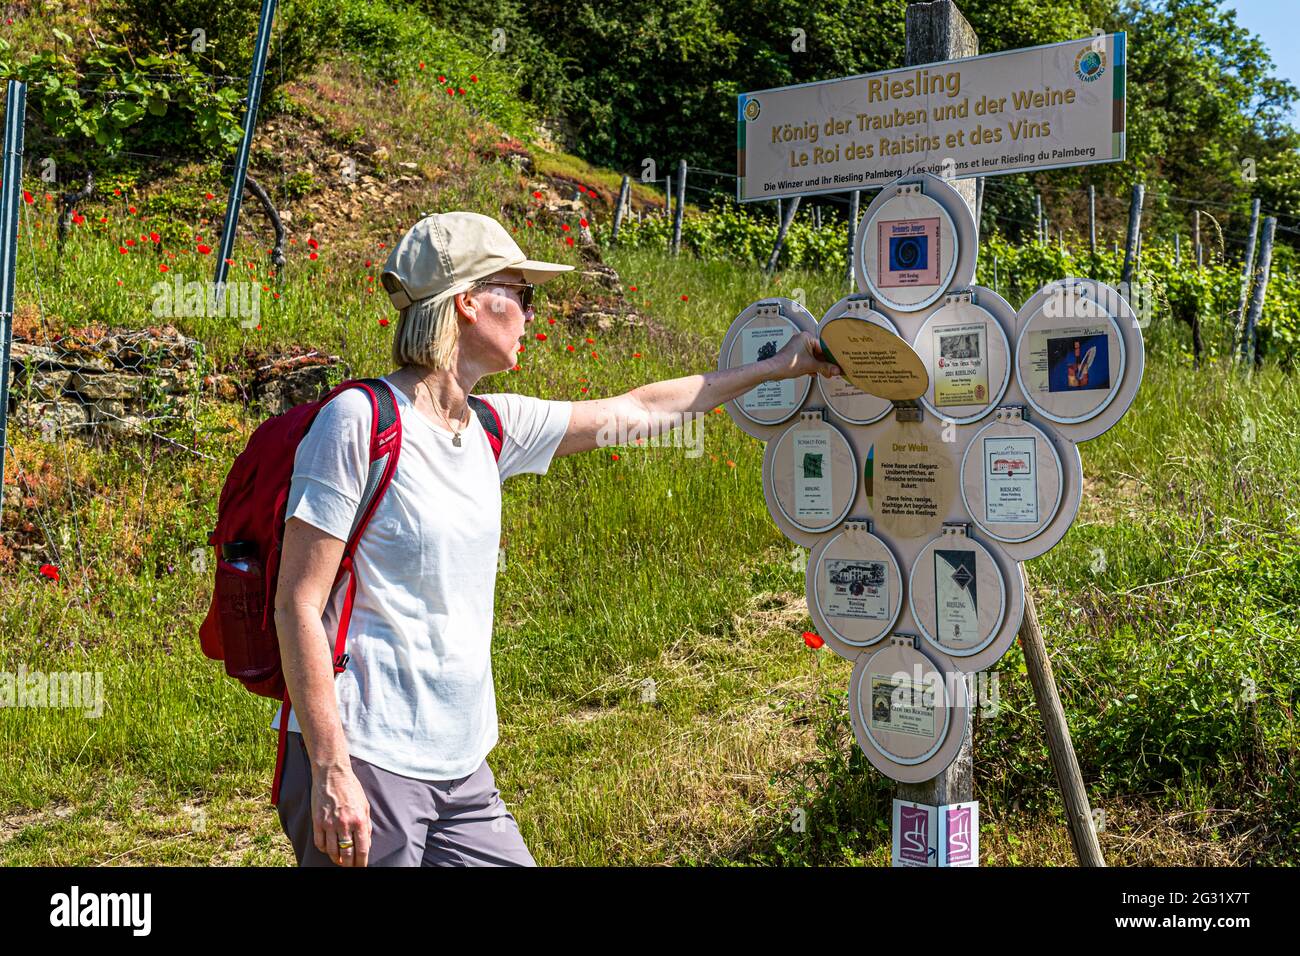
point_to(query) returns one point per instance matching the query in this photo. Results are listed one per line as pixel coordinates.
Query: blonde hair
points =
(428, 330)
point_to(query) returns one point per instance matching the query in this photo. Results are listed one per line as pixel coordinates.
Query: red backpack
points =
(240, 625)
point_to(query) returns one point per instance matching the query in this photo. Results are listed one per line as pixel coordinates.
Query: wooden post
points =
(1092, 219)
(1258, 293)
(1134, 231)
(855, 197)
(790, 210)
(623, 193)
(1247, 267)
(1196, 237)
(1060, 747)
(680, 210)
(938, 32)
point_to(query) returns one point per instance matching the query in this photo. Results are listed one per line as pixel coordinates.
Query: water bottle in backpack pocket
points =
(250, 653)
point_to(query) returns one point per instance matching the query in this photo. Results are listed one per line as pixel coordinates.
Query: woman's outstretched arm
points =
(658, 407)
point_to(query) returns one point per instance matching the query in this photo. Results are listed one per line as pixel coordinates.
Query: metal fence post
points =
(10, 190)
(258, 67)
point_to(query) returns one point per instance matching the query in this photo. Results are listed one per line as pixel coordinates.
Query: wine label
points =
(854, 588)
(901, 705)
(909, 253)
(956, 599)
(961, 371)
(756, 344)
(812, 480)
(1010, 480)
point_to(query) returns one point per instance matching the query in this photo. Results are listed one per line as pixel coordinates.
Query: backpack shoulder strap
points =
(491, 421)
(385, 445)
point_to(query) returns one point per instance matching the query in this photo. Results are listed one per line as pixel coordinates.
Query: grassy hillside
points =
(657, 702)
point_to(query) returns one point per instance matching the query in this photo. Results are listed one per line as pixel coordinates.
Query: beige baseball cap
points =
(449, 251)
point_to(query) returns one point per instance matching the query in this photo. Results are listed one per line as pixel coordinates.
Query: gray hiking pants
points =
(413, 822)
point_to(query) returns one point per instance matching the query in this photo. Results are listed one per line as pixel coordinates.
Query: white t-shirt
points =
(417, 698)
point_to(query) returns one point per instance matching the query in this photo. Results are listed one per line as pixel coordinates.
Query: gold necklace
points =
(455, 438)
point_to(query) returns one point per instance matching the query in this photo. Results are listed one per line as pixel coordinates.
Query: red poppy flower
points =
(207, 195)
(812, 640)
(569, 348)
(614, 455)
(131, 210)
(367, 263)
(473, 78)
(569, 240)
(516, 368)
(636, 354)
(103, 219)
(162, 267)
(591, 341)
(27, 197)
(78, 218)
(313, 243)
(683, 298)
(631, 288)
(541, 336)
(450, 91)
(50, 571)
(122, 249)
(154, 237)
(383, 321)
(312, 256)
(550, 321)
(422, 64)
(204, 250)
(582, 223)
(594, 355)
(565, 227)
(116, 191)
(583, 389)
(521, 347)
(442, 79)
(536, 194)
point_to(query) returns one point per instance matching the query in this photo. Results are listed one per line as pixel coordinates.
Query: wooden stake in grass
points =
(623, 192)
(681, 206)
(1059, 745)
(1248, 353)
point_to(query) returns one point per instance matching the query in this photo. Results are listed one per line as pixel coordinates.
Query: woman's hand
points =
(803, 355)
(340, 811)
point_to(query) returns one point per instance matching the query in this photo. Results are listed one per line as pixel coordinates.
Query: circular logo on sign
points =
(1090, 64)
(751, 110)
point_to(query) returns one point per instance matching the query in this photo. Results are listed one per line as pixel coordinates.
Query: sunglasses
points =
(525, 297)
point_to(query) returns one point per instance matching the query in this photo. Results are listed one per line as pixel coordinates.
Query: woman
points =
(386, 765)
